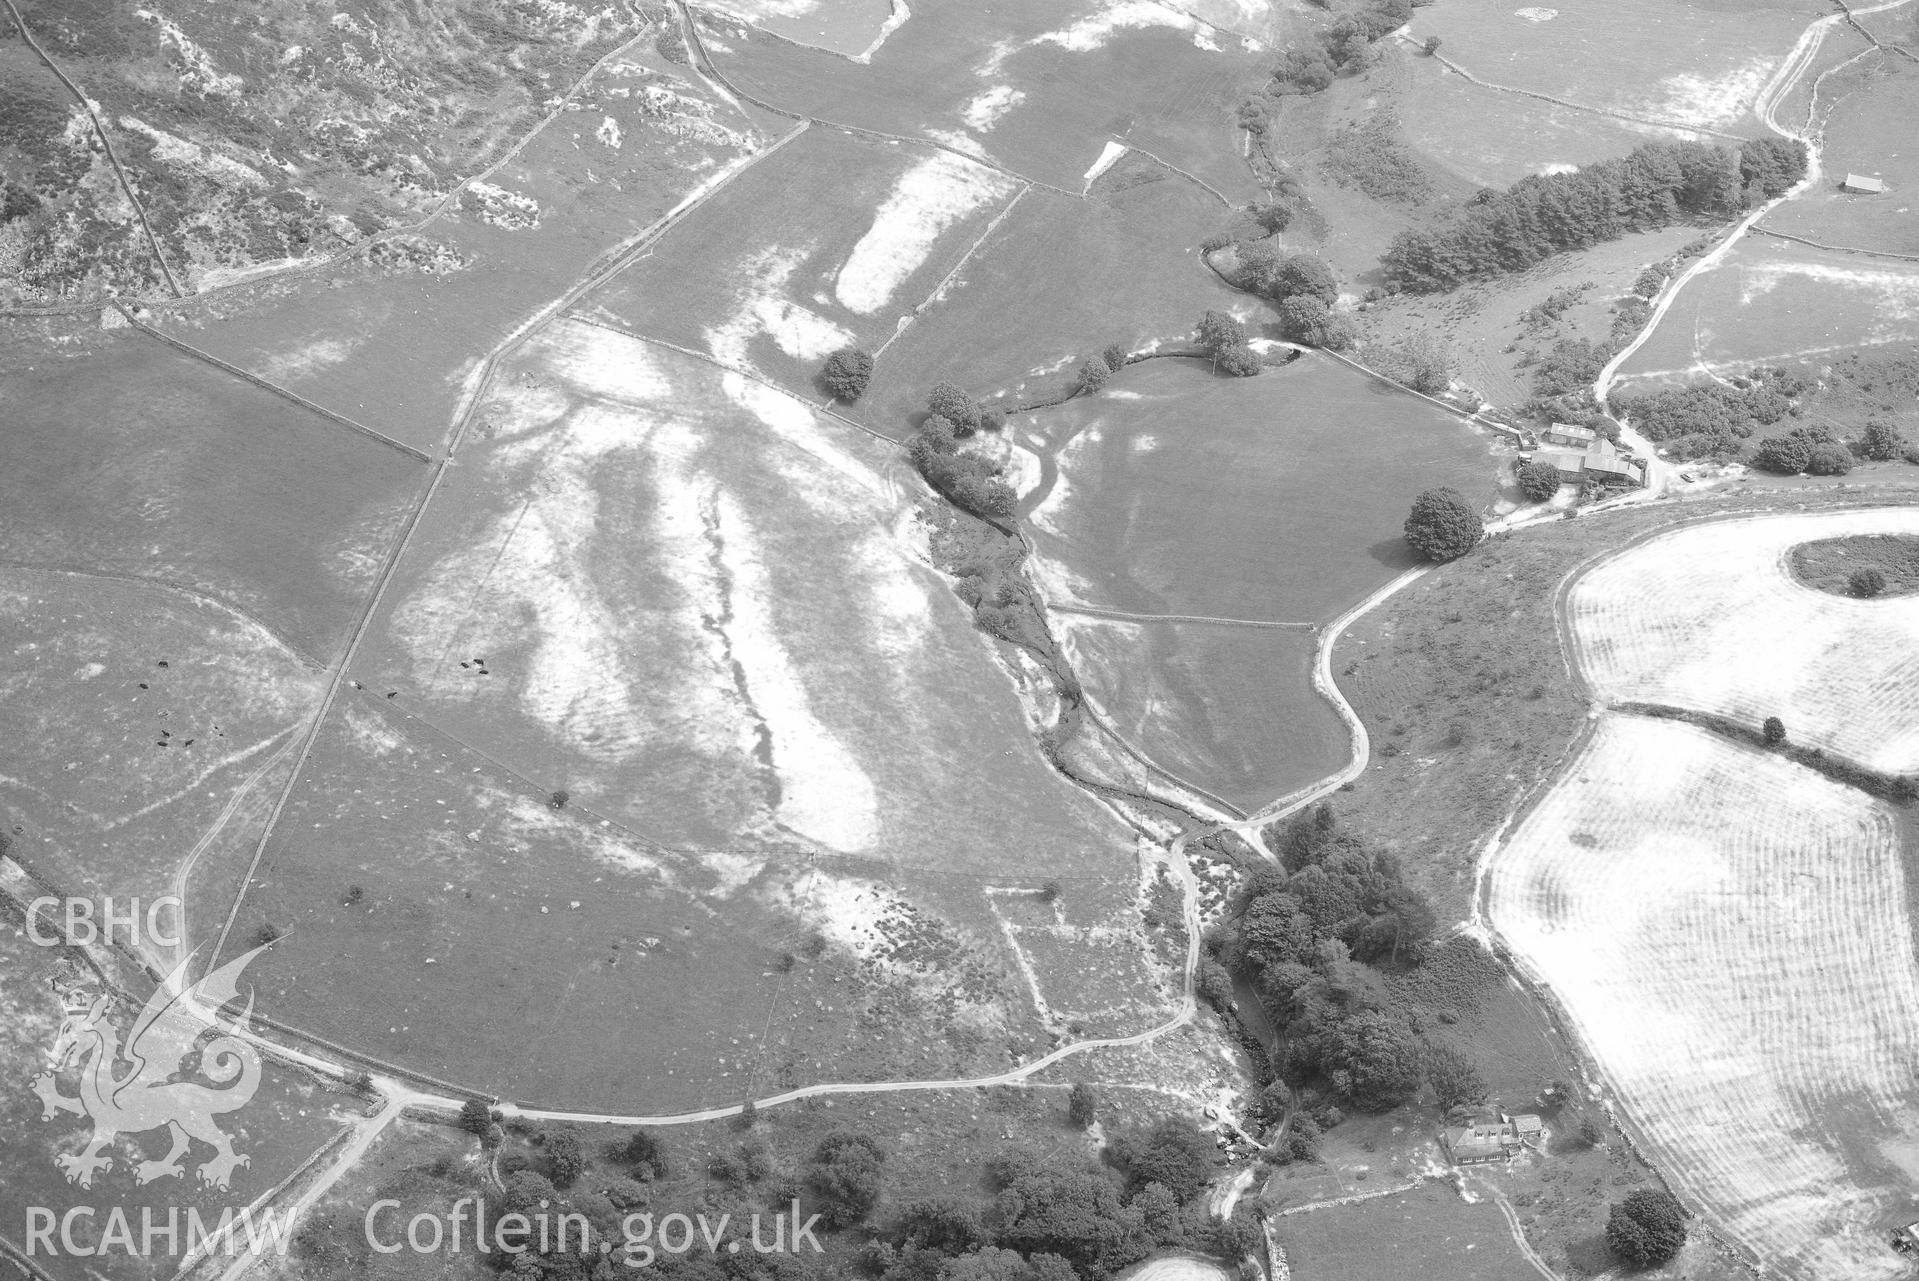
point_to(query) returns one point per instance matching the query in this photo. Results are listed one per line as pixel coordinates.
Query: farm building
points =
(1860, 185)
(1569, 435)
(1491, 1140)
(1598, 462)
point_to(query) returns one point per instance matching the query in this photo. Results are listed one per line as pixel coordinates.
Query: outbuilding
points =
(1860, 185)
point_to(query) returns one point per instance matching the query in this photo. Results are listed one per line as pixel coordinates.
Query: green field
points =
(1229, 709)
(1427, 1232)
(127, 457)
(1079, 81)
(885, 222)
(1277, 498)
(1008, 326)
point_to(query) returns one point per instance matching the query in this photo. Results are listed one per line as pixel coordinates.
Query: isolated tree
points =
(1081, 1105)
(1867, 582)
(475, 1117)
(1218, 331)
(1881, 442)
(1539, 481)
(1432, 45)
(1092, 376)
(1647, 1228)
(1274, 216)
(846, 374)
(1782, 455)
(1443, 526)
(1049, 892)
(1239, 361)
(1829, 459)
(1114, 356)
(1774, 731)
(558, 800)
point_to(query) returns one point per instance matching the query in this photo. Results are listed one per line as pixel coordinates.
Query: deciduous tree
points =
(846, 374)
(1443, 525)
(1647, 1228)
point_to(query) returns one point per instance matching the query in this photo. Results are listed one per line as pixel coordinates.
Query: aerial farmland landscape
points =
(772, 640)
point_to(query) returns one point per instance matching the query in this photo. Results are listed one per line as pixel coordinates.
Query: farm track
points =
(106, 145)
(614, 262)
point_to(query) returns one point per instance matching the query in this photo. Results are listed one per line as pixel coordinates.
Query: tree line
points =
(1656, 185)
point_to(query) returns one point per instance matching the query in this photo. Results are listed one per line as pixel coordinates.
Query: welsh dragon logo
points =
(145, 1094)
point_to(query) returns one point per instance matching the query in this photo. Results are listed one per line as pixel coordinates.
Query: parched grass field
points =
(1690, 65)
(127, 457)
(1278, 498)
(833, 242)
(1009, 326)
(758, 747)
(1711, 618)
(136, 712)
(1729, 934)
(1231, 709)
(1770, 301)
(288, 1119)
(1040, 87)
(394, 346)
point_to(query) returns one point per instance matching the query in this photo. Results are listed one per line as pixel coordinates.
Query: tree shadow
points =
(1395, 555)
(1590, 1255)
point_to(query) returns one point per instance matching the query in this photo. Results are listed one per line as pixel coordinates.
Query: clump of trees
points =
(1423, 362)
(1343, 47)
(1882, 442)
(1307, 319)
(968, 480)
(1277, 276)
(1306, 936)
(1082, 1105)
(1656, 185)
(846, 374)
(1712, 421)
(1443, 525)
(1647, 1228)
(1539, 481)
(1224, 339)
(1803, 449)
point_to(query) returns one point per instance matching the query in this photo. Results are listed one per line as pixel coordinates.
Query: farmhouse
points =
(1860, 185)
(1491, 1140)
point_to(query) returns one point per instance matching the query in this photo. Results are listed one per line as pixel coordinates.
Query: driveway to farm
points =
(1766, 106)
